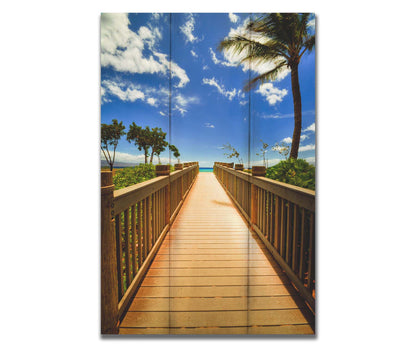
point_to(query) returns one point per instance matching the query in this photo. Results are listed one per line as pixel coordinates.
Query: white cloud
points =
(162, 113)
(233, 17)
(205, 67)
(151, 101)
(232, 58)
(310, 127)
(209, 125)
(242, 103)
(311, 23)
(122, 49)
(156, 16)
(220, 62)
(271, 93)
(188, 28)
(287, 115)
(194, 54)
(213, 82)
(177, 71)
(127, 158)
(181, 103)
(289, 139)
(306, 148)
(121, 90)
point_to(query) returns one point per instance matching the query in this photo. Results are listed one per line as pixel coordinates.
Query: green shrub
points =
(293, 171)
(133, 175)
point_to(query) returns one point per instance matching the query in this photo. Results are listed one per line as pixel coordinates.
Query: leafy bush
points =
(293, 171)
(133, 175)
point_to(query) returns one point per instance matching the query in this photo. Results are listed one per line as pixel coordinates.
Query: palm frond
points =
(267, 76)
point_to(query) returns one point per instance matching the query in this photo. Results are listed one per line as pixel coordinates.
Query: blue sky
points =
(209, 106)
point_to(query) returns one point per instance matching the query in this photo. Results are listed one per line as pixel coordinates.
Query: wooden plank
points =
(148, 304)
(217, 257)
(213, 319)
(210, 264)
(212, 274)
(183, 281)
(213, 251)
(215, 291)
(237, 271)
(298, 329)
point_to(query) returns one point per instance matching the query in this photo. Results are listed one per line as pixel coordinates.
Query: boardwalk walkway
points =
(213, 276)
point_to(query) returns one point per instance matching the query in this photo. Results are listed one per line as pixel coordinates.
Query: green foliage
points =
(133, 175)
(110, 135)
(141, 138)
(293, 171)
(157, 142)
(153, 140)
(175, 152)
(282, 148)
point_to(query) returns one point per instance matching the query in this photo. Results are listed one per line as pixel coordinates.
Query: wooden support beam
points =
(109, 292)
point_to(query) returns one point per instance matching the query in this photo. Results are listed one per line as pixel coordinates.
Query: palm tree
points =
(280, 38)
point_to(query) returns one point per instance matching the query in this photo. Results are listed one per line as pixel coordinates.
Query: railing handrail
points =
(134, 222)
(282, 215)
(124, 196)
(302, 196)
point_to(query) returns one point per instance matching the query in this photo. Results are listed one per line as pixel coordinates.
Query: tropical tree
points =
(141, 137)
(175, 152)
(263, 151)
(282, 39)
(282, 148)
(233, 153)
(157, 142)
(110, 135)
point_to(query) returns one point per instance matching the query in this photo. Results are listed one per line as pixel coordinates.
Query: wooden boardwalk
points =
(213, 276)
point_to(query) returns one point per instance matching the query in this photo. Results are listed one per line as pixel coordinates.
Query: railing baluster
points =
(119, 257)
(295, 248)
(134, 239)
(140, 222)
(282, 228)
(127, 246)
(311, 264)
(148, 226)
(283, 217)
(289, 232)
(302, 247)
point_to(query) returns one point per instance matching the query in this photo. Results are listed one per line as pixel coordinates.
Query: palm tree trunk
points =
(297, 106)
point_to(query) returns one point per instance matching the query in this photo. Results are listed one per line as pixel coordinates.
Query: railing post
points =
(109, 291)
(255, 171)
(163, 170)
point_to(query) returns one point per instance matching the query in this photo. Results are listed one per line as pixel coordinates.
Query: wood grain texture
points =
(212, 275)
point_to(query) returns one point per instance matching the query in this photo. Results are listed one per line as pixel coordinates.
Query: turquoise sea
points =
(206, 169)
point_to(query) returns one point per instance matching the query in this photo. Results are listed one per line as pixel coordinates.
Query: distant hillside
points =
(116, 164)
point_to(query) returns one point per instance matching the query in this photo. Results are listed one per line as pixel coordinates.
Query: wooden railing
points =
(134, 222)
(282, 215)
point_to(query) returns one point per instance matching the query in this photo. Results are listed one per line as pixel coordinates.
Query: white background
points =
(49, 107)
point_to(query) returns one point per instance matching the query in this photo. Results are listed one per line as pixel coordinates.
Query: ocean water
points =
(206, 169)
